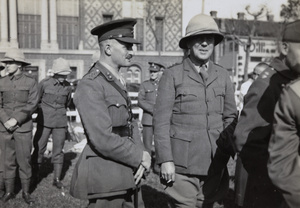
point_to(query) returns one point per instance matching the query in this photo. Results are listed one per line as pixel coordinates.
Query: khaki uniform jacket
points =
(146, 100)
(284, 149)
(54, 100)
(190, 116)
(18, 99)
(105, 167)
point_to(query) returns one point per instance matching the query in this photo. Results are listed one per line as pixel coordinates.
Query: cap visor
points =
(128, 40)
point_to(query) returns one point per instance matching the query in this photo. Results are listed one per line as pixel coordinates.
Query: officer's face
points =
(201, 47)
(121, 53)
(153, 75)
(13, 67)
(61, 78)
(293, 56)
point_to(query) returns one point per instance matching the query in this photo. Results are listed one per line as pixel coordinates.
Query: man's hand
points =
(168, 171)
(146, 161)
(139, 174)
(11, 124)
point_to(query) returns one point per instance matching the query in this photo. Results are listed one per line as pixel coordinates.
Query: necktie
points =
(123, 82)
(203, 72)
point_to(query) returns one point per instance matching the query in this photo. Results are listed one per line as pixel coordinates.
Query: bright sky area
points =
(229, 8)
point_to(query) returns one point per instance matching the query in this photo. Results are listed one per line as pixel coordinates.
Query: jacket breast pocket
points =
(118, 110)
(219, 98)
(180, 142)
(187, 99)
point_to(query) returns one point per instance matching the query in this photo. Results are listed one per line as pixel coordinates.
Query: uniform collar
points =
(16, 77)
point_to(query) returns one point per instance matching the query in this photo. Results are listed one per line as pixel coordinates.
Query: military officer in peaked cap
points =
(146, 100)
(193, 120)
(54, 98)
(18, 100)
(113, 160)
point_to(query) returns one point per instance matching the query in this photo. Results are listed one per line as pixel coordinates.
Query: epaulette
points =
(93, 74)
(295, 86)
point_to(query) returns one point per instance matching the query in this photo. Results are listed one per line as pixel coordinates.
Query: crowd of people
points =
(189, 113)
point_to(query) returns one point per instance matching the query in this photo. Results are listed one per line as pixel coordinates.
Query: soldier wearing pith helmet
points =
(193, 118)
(18, 100)
(54, 98)
(114, 160)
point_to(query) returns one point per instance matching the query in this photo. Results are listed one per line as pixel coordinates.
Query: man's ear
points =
(107, 49)
(284, 48)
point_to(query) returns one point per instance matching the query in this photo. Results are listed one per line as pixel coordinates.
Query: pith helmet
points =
(61, 66)
(291, 32)
(15, 54)
(199, 25)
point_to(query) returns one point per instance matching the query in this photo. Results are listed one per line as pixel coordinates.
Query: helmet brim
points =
(217, 35)
(24, 63)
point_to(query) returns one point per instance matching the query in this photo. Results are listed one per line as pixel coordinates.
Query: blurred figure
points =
(193, 117)
(2, 187)
(18, 100)
(2, 70)
(284, 146)
(258, 69)
(110, 168)
(241, 174)
(146, 100)
(253, 131)
(54, 98)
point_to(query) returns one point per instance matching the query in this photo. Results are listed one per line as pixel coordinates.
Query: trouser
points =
(186, 191)
(40, 144)
(261, 193)
(1, 167)
(241, 177)
(148, 137)
(17, 152)
(120, 201)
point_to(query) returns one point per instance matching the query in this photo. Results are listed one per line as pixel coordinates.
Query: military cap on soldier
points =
(155, 67)
(15, 54)
(61, 66)
(121, 30)
(201, 24)
(292, 32)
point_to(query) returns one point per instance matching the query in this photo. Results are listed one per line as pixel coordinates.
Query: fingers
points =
(139, 174)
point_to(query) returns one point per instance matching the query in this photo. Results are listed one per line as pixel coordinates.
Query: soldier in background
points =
(19, 99)
(55, 97)
(146, 100)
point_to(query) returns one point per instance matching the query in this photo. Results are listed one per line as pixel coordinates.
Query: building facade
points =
(48, 29)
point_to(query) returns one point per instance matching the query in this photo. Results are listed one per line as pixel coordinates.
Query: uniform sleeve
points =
(225, 141)
(162, 116)
(253, 129)
(90, 102)
(146, 105)
(284, 161)
(32, 102)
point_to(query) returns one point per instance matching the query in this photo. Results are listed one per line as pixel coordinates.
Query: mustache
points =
(129, 56)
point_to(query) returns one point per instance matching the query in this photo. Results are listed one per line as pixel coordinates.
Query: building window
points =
(159, 31)
(68, 24)
(132, 74)
(139, 32)
(107, 17)
(33, 71)
(67, 32)
(29, 23)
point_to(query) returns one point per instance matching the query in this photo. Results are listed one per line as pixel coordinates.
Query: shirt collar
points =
(16, 77)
